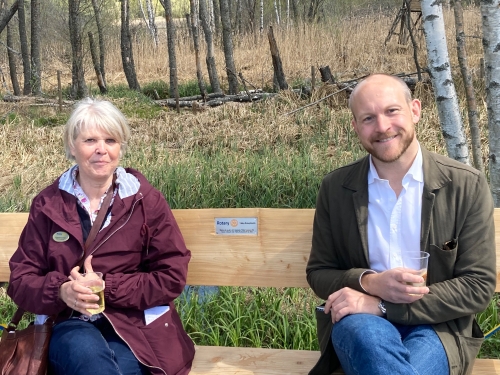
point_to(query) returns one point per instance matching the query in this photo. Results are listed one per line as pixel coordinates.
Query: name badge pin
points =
(60, 236)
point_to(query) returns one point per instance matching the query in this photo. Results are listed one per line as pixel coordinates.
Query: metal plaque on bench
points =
(236, 226)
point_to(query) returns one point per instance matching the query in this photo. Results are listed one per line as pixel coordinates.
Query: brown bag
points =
(25, 351)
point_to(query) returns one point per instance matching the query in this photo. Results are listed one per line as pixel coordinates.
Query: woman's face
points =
(97, 154)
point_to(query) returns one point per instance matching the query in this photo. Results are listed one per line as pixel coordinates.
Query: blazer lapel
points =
(434, 179)
(357, 181)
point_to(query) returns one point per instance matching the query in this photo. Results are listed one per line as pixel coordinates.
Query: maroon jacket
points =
(141, 254)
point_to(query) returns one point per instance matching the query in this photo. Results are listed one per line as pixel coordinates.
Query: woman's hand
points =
(76, 296)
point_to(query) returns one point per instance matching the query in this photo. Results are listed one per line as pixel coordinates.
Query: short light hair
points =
(96, 114)
(404, 86)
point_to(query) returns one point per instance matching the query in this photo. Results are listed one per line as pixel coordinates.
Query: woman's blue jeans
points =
(78, 347)
(368, 344)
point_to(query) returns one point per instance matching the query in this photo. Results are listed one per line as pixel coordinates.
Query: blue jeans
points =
(83, 348)
(368, 344)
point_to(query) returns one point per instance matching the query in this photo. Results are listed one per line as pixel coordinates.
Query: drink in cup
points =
(418, 262)
(94, 281)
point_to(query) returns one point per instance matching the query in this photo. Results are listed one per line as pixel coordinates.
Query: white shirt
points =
(394, 222)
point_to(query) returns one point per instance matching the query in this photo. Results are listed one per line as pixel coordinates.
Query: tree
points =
(12, 60)
(36, 36)
(196, 42)
(78, 86)
(150, 20)
(25, 51)
(6, 16)
(227, 41)
(126, 47)
(210, 59)
(100, 37)
(172, 60)
(442, 81)
(490, 12)
(469, 88)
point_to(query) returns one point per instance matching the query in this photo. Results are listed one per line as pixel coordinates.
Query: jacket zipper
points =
(117, 229)
(114, 328)
(136, 356)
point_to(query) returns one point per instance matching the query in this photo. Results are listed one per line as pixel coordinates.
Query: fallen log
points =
(216, 100)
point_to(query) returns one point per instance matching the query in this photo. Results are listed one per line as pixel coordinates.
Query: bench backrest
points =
(275, 257)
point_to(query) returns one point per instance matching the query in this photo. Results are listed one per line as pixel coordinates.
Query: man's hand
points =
(394, 285)
(347, 301)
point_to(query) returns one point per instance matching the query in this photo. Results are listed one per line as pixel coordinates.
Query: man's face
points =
(384, 119)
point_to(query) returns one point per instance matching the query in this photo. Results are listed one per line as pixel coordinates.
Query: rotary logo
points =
(234, 223)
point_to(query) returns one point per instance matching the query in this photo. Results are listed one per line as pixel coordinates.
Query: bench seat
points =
(221, 360)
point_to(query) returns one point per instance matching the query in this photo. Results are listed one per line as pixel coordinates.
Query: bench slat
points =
(214, 360)
(219, 360)
(276, 257)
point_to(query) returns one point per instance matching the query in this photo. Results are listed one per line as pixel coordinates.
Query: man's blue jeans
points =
(84, 348)
(368, 344)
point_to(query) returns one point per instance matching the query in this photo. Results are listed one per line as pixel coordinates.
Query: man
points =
(370, 214)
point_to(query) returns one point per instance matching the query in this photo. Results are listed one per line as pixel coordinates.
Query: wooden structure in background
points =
(405, 22)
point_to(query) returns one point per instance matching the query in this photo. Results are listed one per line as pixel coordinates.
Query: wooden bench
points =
(275, 257)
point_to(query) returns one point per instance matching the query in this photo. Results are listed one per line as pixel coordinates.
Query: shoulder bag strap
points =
(99, 219)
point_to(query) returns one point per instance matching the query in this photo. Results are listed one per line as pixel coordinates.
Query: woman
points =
(139, 249)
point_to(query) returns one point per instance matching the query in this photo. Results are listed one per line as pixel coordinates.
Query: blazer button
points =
(166, 324)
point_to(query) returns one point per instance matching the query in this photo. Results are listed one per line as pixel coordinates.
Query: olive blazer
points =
(457, 209)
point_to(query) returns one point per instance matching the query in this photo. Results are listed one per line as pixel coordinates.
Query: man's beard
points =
(384, 156)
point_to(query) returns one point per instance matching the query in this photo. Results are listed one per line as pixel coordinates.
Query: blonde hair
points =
(99, 114)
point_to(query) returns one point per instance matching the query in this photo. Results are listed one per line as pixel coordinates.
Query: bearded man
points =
(370, 215)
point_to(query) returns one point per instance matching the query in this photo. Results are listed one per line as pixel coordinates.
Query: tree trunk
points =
(277, 65)
(78, 86)
(210, 59)
(261, 16)
(217, 21)
(95, 62)
(196, 43)
(469, 88)
(150, 20)
(444, 89)
(490, 12)
(126, 48)
(276, 12)
(25, 50)
(227, 41)
(6, 17)
(12, 62)
(36, 61)
(100, 37)
(172, 59)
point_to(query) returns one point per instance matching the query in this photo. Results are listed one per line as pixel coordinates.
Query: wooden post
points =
(277, 65)
(326, 74)
(59, 89)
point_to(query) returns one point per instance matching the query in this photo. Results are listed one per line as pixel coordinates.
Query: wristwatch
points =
(381, 306)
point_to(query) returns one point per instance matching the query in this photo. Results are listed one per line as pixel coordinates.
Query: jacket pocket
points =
(469, 348)
(441, 263)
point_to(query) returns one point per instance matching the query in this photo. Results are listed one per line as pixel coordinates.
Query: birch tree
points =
(261, 16)
(150, 20)
(276, 12)
(490, 12)
(469, 87)
(442, 81)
